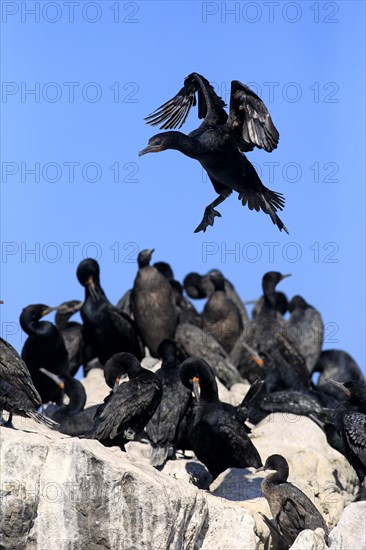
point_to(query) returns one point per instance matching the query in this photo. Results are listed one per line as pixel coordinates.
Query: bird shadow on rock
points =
(200, 477)
(237, 485)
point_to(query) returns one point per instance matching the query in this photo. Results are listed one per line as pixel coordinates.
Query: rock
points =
(196, 342)
(95, 387)
(237, 392)
(350, 533)
(68, 493)
(310, 540)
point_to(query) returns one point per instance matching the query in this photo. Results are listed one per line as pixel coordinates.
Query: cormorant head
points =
(297, 302)
(58, 380)
(88, 276)
(165, 269)
(66, 310)
(276, 463)
(119, 365)
(217, 279)
(193, 286)
(33, 313)
(355, 390)
(157, 143)
(168, 351)
(144, 257)
(271, 279)
(197, 376)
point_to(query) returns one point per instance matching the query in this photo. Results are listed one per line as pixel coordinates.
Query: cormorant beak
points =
(64, 308)
(48, 310)
(196, 387)
(150, 149)
(340, 386)
(91, 286)
(261, 469)
(258, 361)
(116, 383)
(284, 276)
(56, 379)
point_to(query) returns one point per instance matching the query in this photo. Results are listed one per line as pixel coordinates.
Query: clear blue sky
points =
(97, 68)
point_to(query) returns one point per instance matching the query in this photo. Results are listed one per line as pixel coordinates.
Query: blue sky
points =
(73, 184)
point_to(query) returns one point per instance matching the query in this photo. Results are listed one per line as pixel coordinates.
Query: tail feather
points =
(269, 202)
(42, 419)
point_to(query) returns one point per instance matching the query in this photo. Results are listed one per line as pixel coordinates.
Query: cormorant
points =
(220, 141)
(17, 392)
(291, 509)
(153, 304)
(195, 342)
(305, 330)
(218, 440)
(350, 424)
(163, 428)
(338, 365)
(281, 304)
(44, 347)
(75, 392)
(106, 329)
(72, 333)
(221, 317)
(130, 405)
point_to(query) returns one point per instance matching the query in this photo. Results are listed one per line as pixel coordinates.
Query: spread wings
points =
(249, 124)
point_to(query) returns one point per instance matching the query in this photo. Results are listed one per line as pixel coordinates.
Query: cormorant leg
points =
(211, 213)
(8, 423)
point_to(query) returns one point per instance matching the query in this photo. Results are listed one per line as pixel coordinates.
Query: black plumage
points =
(106, 329)
(340, 366)
(17, 392)
(218, 439)
(305, 329)
(163, 428)
(129, 407)
(220, 141)
(221, 317)
(44, 348)
(350, 424)
(72, 333)
(75, 392)
(291, 509)
(153, 304)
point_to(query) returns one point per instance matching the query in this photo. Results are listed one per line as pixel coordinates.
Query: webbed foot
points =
(208, 219)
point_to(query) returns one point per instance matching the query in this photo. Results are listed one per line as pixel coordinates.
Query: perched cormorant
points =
(153, 304)
(221, 317)
(75, 392)
(220, 141)
(17, 392)
(44, 348)
(340, 366)
(163, 428)
(194, 286)
(195, 342)
(305, 330)
(281, 304)
(350, 424)
(130, 405)
(107, 329)
(218, 439)
(72, 333)
(291, 509)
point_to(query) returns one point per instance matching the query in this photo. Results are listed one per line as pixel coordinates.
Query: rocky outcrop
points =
(67, 493)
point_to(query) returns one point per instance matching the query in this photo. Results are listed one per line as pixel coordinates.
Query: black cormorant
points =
(340, 366)
(220, 141)
(291, 509)
(221, 317)
(219, 441)
(75, 392)
(163, 428)
(106, 329)
(17, 392)
(153, 305)
(130, 405)
(305, 329)
(350, 424)
(72, 333)
(44, 348)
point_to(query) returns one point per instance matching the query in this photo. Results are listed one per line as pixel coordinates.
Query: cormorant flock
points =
(277, 350)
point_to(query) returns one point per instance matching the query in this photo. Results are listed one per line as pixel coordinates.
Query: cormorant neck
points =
(280, 476)
(183, 143)
(134, 370)
(34, 327)
(76, 393)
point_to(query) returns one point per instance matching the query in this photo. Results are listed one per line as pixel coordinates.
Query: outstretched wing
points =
(249, 122)
(174, 112)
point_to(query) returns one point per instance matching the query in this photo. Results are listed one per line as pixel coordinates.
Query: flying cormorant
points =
(220, 141)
